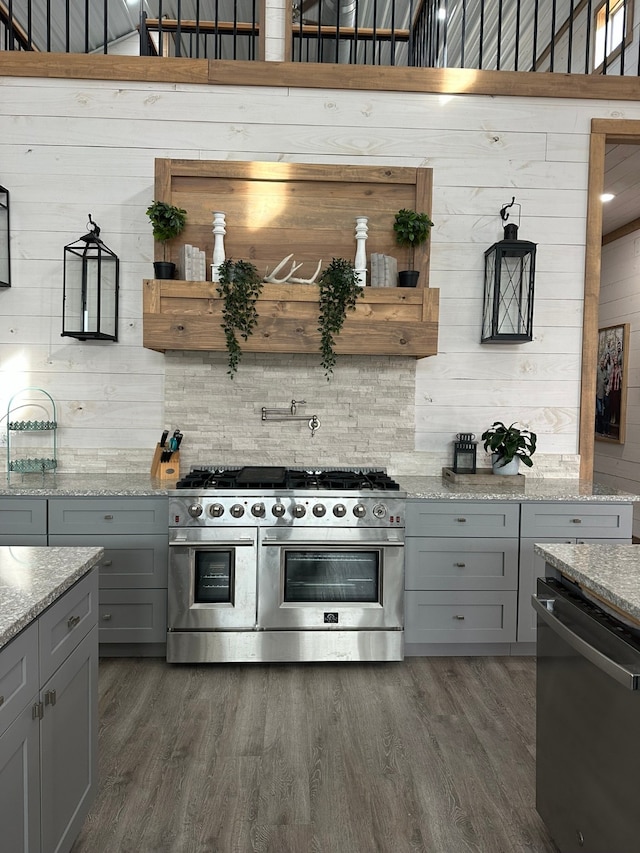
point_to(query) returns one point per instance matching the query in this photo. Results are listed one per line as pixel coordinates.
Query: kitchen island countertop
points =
(33, 578)
(610, 572)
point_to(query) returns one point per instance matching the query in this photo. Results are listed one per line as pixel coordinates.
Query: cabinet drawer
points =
(133, 616)
(108, 515)
(39, 539)
(138, 562)
(460, 617)
(436, 563)
(606, 521)
(18, 674)
(67, 622)
(462, 518)
(21, 516)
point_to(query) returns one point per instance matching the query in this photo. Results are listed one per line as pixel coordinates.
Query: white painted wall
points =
(619, 464)
(69, 148)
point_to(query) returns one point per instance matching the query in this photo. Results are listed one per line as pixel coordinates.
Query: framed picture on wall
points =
(611, 383)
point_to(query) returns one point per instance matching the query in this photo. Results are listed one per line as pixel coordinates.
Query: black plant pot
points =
(408, 278)
(164, 269)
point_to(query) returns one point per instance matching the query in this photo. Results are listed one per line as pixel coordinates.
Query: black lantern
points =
(90, 292)
(5, 257)
(509, 272)
(464, 453)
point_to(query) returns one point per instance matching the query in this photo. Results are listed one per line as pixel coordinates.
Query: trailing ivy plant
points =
(339, 289)
(239, 287)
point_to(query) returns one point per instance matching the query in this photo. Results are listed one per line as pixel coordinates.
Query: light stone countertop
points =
(533, 489)
(33, 578)
(611, 572)
(426, 488)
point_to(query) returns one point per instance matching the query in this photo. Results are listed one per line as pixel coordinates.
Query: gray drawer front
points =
(108, 515)
(19, 682)
(38, 539)
(460, 617)
(436, 563)
(133, 616)
(129, 562)
(66, 623)
(462, 518)
(605, 521)
(20, 516)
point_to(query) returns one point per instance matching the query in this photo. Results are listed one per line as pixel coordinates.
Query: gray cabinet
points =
(133, 571)
(49, 724)
(562, 522)
(461, 573)
(23, 521)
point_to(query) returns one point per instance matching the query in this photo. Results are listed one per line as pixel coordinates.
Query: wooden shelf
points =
(187, 315)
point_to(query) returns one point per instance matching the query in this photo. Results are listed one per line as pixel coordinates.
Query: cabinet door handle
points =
(106, 616)
(107, 563)
(1, 701)
(72, 621)
(37, 712)
(576, 521)
(461, 520)
(108, 517)
(461, 618)
(50, 697)
(461, 565)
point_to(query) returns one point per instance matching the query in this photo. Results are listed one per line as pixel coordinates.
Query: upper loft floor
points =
(577, 37)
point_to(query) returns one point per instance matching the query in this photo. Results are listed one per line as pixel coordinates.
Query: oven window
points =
(332, 576)
(213, 577)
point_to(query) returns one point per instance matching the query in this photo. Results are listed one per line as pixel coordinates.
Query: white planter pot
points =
(510, 468)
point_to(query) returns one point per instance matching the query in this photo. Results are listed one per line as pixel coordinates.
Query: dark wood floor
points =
(432, 754)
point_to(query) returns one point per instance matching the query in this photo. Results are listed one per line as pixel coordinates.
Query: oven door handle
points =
(232, 543)
(385, 543)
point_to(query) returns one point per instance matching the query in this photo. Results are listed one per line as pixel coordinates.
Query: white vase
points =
(509, 469)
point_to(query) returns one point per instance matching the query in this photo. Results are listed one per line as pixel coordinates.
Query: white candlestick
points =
(218, 244)
(361, 253)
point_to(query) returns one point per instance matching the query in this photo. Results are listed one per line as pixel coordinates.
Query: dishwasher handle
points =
(624, 676)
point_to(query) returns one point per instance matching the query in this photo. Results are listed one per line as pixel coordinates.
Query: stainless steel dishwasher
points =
(588, 723)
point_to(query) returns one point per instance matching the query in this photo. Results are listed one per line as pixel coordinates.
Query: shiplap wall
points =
(619, 464)
(69, 148)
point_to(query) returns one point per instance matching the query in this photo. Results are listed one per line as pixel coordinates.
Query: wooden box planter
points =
(272, 210)
(187, 315)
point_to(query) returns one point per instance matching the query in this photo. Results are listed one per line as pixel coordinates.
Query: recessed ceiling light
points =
(607, 197)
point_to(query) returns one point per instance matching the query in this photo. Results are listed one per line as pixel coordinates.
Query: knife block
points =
(165, 470)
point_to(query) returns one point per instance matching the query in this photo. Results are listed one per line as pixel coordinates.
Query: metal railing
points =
(510, 35)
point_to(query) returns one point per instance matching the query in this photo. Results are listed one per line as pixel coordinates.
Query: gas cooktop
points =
(276, 477)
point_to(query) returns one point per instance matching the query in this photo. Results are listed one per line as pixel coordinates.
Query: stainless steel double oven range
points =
(278, 564)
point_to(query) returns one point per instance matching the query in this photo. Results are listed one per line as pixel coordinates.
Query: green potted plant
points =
(239, 287)
(339, 288)
(508, 445)
(167, 222)
(411, 230)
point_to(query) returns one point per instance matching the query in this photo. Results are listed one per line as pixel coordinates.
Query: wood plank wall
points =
(73, 146)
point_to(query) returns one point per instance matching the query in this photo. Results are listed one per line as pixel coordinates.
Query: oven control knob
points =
(258, 510)
(339, 510)
(319, 510)
(195, 510)
(359, 510)
(237, 510)
(278, 510)
(216, 510)
(299, 511)
(379, 511)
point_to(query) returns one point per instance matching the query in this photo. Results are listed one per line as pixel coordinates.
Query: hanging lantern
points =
(465, 453)
(90, 291)
(509, 273)
(5, 257)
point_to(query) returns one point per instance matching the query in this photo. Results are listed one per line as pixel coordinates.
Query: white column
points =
(275, 30)
(361, 253)
(218, 244)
